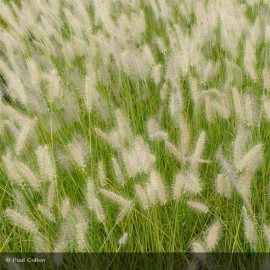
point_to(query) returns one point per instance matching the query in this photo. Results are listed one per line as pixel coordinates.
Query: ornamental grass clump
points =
(134, 126)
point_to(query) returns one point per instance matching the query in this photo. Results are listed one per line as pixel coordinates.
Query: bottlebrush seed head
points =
(21, 220)
(213, 235)
(198, 206)
(123, 240)
(249, 229)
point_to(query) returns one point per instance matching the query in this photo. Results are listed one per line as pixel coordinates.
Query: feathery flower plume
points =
(164, 92)
(124, 204)
(199, 249)
(26, 131)
(135, 65)
(9, 17)
(198, 206)
(12, 128)
(173, 150)
(45, 163)
(13, 114)
(18, 91)
(54, 90)
(12, 173)
(178, 185)
(154, 130)
(223, 186)
(266, 230)
(118, 136)
(19, 200)
(251, 114)
(195, 159)
(176, 105)
(208, 108)
(123, 239)
(238, 105)
(101, 106)
(113, 139)
(192, 183)
(93, 201)
(78, 150)
(121, 201)
(124, 211)
(151, 193)
(212, 92)
(148, 56)
(231, 72)
(184, 137)
(46, 212)
(40, 243)
(101, 173)
(222, 107)
(210, 70)
(21, 220)
(252, 160)
(160, 44)
(2, 123)
(250, 60)
(126, 59)
(89, 93)
(71, 108)
(81, 228)
(186, 182)
(123, 125)
(51, 194)
(63, 159)
(118, 172)
(158, 186)
(65, 208)
(239, 145)
(213, 235)
(156, 73)
(66, 235)
(195, 94)
(266, 78)
(28, 175)
(243, 186)
(142, 196)
(73, 20)
(266, 105)
(227, 169)
(139, 158)
(249, 229)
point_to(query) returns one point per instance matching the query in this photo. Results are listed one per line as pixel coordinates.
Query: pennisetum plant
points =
(152, 110)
